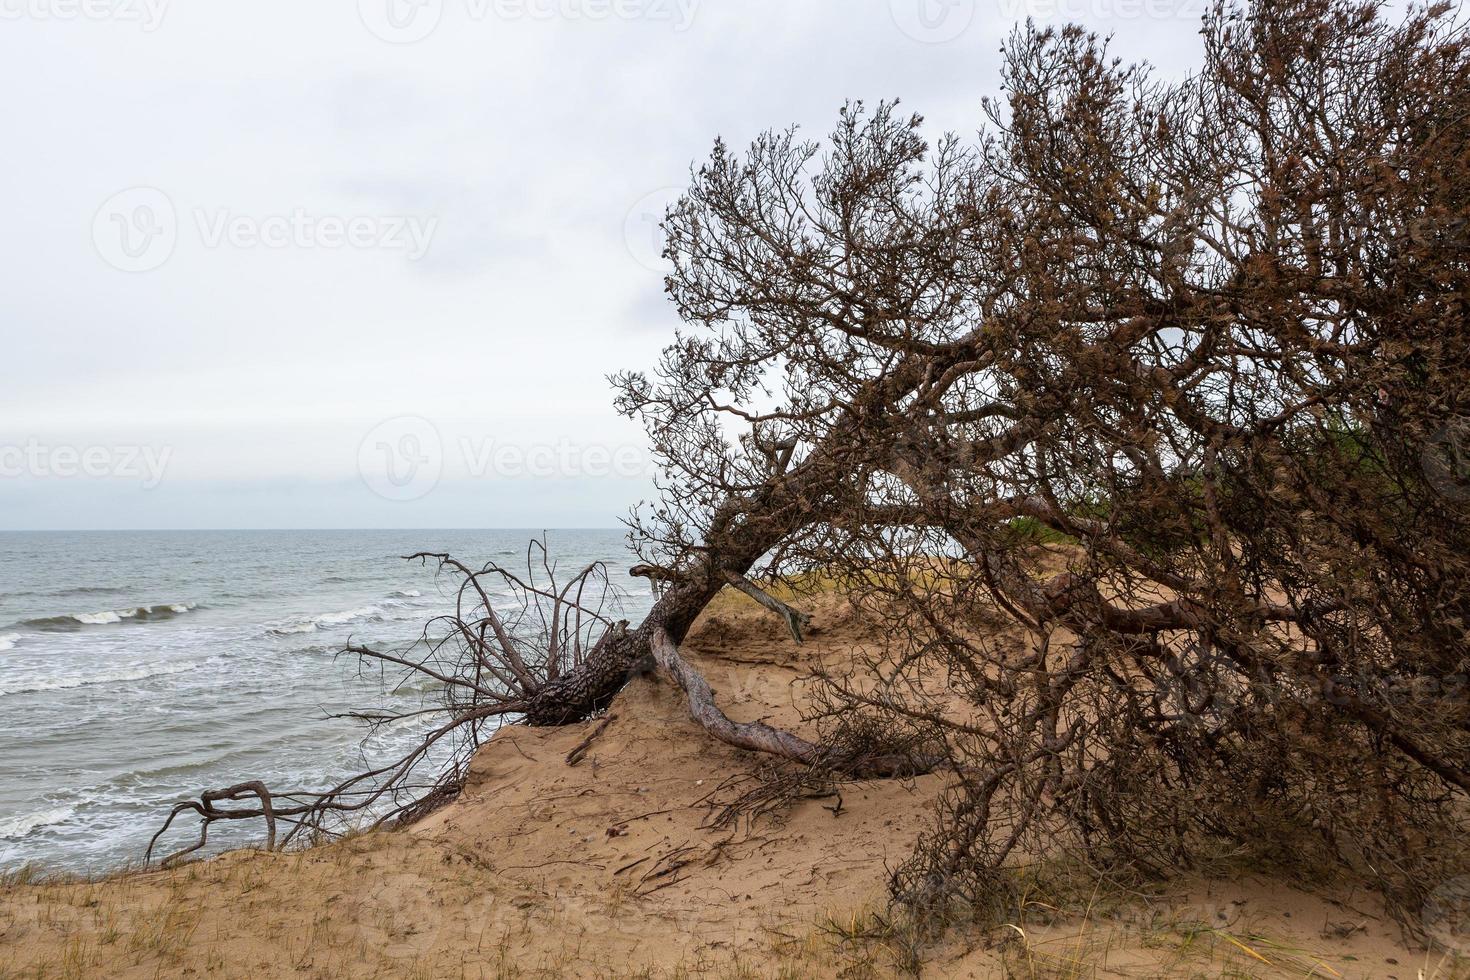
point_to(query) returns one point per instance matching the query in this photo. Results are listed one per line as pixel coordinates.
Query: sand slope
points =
(612, 868)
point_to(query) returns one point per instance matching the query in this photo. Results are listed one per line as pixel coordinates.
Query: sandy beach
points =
(616, 866)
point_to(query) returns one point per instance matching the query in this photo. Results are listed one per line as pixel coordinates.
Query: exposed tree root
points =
(577, 754)
(553, 657)
(756, 736)
(796, 621)
(490, 664)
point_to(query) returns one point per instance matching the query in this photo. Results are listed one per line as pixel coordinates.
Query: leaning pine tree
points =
(1170, 379)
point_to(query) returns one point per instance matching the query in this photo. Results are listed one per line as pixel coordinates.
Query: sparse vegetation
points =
(1134, 428)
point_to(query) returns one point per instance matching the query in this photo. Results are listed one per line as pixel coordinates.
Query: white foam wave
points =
(23, 824)
(350, 616)
(101, 618)
(327, 620)
(395, 607)
(146, 612)
(109, 617)
(8, 641)
(30, 684)
(292, 628)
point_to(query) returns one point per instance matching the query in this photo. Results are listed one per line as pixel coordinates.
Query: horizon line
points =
(183, 530)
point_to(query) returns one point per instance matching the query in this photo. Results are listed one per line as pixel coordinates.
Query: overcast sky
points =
(330, 263)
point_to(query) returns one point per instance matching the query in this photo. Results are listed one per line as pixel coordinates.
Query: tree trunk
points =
(591, 687)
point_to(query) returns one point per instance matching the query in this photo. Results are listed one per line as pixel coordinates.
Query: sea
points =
(138, 669)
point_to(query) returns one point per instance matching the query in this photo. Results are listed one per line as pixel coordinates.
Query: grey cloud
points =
(529, 141)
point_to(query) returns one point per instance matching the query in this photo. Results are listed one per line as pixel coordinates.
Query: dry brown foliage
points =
(1141, 419)
(1174, 377)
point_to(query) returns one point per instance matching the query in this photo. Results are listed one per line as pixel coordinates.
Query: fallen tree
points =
(1171, 378)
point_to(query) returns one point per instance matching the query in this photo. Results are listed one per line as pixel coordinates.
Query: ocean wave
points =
(30, 684)
(8, 641)
(327, 621)
(111, 617)
(291, 629)
(397, 606)
(24, 824)
(361, 613)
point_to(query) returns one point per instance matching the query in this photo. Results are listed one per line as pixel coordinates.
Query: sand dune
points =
(612, 867)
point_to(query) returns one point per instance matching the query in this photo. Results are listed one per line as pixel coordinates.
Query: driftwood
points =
(209, 812)
(796, 621)
(492, 662)
(1138, 426)
(756, 736)
(577, 754)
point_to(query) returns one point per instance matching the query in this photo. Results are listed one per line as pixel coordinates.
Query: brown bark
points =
(755, 735)
(591, 688)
